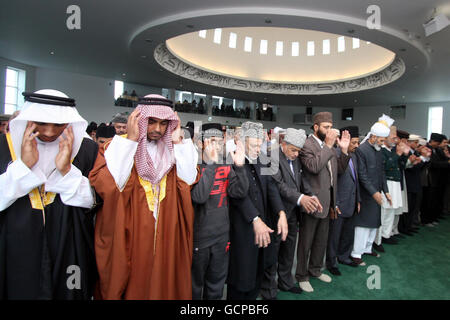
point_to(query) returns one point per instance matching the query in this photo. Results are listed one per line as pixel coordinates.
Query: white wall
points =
(95, 101)
(94, 96)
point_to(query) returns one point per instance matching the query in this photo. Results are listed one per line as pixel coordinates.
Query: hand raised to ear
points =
(62, 160)
(133, 125)
(29, 151)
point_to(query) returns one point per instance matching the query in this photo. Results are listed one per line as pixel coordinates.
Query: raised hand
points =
(210, 152)
(330, 138)
(176, 134)
(29, 151)
(239, 155)
(133, 125)
(344, 141)
(62, 160)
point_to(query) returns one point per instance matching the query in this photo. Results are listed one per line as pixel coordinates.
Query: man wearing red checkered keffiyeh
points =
(143, 236)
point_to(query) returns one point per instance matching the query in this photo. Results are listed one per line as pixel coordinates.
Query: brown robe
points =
(130, 264)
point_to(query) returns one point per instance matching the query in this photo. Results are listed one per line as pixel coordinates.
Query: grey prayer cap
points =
(295, 137)
(120, 118)
(252, 130)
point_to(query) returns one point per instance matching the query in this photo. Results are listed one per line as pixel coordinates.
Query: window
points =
(217, 35)
(118, 89)
(263, 47)
(435, 120)
(15, 85)
(295, 49)
(232, 42)
(326, 46)
(202, 34)
(355, 43)
(248, 44)
(279, 48)
(341, 44)
(310, 48)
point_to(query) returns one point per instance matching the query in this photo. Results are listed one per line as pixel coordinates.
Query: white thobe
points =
(18, 180)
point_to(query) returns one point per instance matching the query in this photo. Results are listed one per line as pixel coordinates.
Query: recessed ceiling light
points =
(143, 57)
(403, 97)
(52, 52)
(124, 74)
(181, 85)
(356, 100)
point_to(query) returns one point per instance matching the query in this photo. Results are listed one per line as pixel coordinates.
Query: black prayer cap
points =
(353, 130)
(212, 130)
(104, 131)
(437, 137)
(402, 134)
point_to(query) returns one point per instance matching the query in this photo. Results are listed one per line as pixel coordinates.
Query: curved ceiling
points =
(280, 55)
(117, 40)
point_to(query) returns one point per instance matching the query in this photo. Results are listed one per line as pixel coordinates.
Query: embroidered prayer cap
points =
(252, 130)
(323, 117)
(212, 130)
(296, 137)
(120, 118)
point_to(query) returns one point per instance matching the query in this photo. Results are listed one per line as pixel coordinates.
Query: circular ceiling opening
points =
(280, 55)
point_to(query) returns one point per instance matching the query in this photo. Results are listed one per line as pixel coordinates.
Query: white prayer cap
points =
(296, 137)
(414, 137)
(422, 142)
(279, 130)
(48, 106)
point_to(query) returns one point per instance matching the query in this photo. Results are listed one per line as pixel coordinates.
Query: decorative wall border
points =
(171, 63)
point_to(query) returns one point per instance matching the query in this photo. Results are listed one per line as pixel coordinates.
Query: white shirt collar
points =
(320, 142)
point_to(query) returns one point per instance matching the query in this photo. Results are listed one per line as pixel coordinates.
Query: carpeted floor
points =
(418, 267)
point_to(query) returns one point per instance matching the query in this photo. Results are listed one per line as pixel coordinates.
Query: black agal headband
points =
(48, 99)
(155, 102)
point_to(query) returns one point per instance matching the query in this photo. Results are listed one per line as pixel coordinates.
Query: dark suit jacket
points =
(291, 186)
(348, 194)
(372, 179)
(314, 160)
(243, 251)
(413, 179)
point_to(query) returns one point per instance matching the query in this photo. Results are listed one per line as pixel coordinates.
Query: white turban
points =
(381, 128)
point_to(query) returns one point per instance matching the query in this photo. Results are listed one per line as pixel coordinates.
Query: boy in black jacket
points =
(211, 222)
